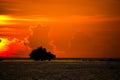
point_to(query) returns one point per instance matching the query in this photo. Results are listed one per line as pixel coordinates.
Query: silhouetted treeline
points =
(41, 54)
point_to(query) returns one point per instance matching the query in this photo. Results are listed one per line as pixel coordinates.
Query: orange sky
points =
(68, 28)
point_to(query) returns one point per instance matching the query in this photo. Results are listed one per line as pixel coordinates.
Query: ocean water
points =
(60, 69)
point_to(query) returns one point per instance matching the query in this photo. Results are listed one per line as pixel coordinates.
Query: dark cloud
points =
(40, 38)
(60, 7)
(107, 43)
(102, 41)
(80, 42)
(80, 45)
(7, 7)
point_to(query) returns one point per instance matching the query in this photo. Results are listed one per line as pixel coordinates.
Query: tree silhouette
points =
(41, 54)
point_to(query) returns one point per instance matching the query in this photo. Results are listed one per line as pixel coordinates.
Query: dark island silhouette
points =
(41, 54)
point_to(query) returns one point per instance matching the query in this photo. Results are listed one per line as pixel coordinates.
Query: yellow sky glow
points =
(3, 44)
(8, 20)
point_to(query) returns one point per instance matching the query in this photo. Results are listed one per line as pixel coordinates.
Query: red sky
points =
(68, 28)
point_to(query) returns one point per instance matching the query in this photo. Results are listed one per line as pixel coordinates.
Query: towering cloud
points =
(39, 37)
(102, 40)
(14, 40)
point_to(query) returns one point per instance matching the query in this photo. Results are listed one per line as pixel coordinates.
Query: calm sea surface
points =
(60, 69)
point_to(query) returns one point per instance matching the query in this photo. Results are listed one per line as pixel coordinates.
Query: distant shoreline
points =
(82, 59)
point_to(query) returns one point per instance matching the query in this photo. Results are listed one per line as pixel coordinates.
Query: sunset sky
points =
(67, 28)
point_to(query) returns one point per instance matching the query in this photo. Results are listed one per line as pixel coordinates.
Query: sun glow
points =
(3, 44)
(5, 20)
(5, 48)
(8, 20)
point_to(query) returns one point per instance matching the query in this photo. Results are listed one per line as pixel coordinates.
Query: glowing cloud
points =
(4, 20)
(12, 48)
(3, 44)
(10, 20)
